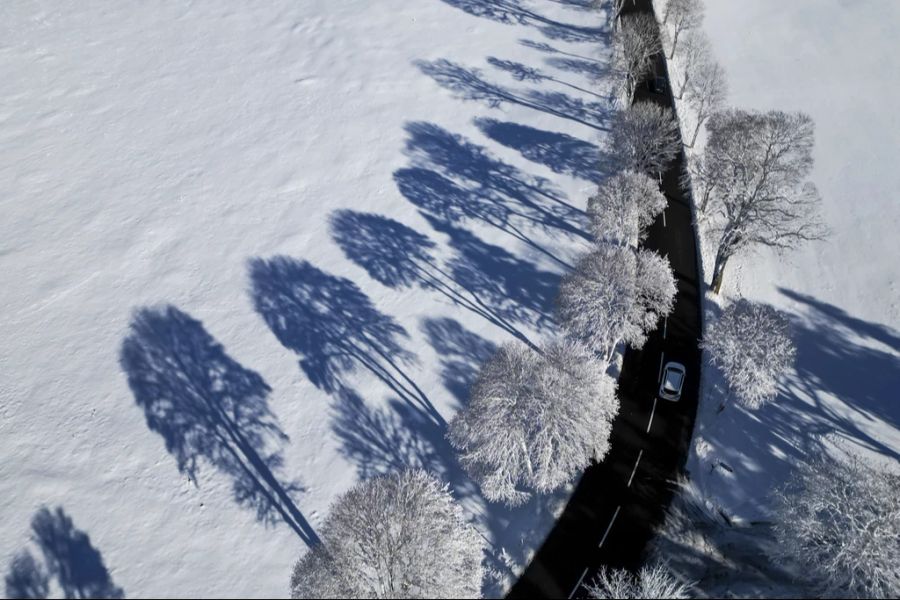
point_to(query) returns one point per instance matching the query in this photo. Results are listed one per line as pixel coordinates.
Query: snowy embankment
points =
(837, 62)
(253, 254)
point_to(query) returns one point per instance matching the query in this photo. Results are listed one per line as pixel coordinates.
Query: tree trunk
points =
(696, 131)
(674, 43)
(524, 450)
(719, 271)
(683, 84)
(707, 191)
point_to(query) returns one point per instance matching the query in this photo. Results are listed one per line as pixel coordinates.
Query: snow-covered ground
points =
(196, 156)
(839, 62)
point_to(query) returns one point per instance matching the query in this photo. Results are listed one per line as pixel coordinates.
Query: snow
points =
(149, 153)
(838, 62)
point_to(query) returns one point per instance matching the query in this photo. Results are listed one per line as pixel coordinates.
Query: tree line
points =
(538, 415)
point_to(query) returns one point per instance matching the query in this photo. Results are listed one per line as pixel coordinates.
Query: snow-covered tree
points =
(693, 51)
(637, 42)
(650, 582)
(751, 344)
(615, 294)
(534, 419)
(644, 138)
(683, 16)
(840, 520)
(655, 290)
(624, 206)
(395, 536)
(707, 90)
(759, 195)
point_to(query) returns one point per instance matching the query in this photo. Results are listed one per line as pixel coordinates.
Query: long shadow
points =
(842, 390)
(442, 199)
(380, 441)
(454, 180)
(27, 578)
(516, 289)
(522, 72)
(208, 407)
(398, 256)
(839, 317)
(531, 198)
(333, 326)
(461, 353)
(591, 69)
(851, 360)
(469, 84)
(69, 558)
(561, 152)
(547, 48)
(514, 12)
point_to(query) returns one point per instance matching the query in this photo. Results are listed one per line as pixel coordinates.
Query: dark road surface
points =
(612, 513)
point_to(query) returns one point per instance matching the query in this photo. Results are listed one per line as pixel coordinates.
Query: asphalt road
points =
(613, 511)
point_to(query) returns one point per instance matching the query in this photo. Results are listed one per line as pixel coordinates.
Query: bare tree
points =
(707, 90)
(396, 536)
(694, 50)
(684, 15)
(534, 420)
(645, 138)
(615, 294)
(624, 206)
(617, 6)
(702, 176)
(637, 42)
(649, 582)
(666, 7)
(840, 520)
(758, 194)
(751, 344)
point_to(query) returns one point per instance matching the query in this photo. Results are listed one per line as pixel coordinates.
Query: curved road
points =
(612, 513)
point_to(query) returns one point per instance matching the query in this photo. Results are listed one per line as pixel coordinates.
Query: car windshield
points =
(673, 380)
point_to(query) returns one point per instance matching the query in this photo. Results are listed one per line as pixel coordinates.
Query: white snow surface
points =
(149, 151)
(839, 62)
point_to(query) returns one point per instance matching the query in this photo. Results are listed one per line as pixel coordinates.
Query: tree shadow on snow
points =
(461, 353)
(522, 72)
(208, 407)
(484, 279)
(470, 84)
(842, 389)
(514, 12)
(560, 152)
(516, 288)
(69, 558)
(548, 49)
(454, 180)
(333, 326)
(852, 360)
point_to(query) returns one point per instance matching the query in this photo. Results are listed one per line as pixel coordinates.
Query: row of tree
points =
(536, 417)
(837, 520)
(751, 179)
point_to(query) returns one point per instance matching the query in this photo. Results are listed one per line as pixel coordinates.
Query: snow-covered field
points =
(839, 62)
(321, 216)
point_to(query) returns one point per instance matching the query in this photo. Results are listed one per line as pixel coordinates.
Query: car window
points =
(673, 380)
